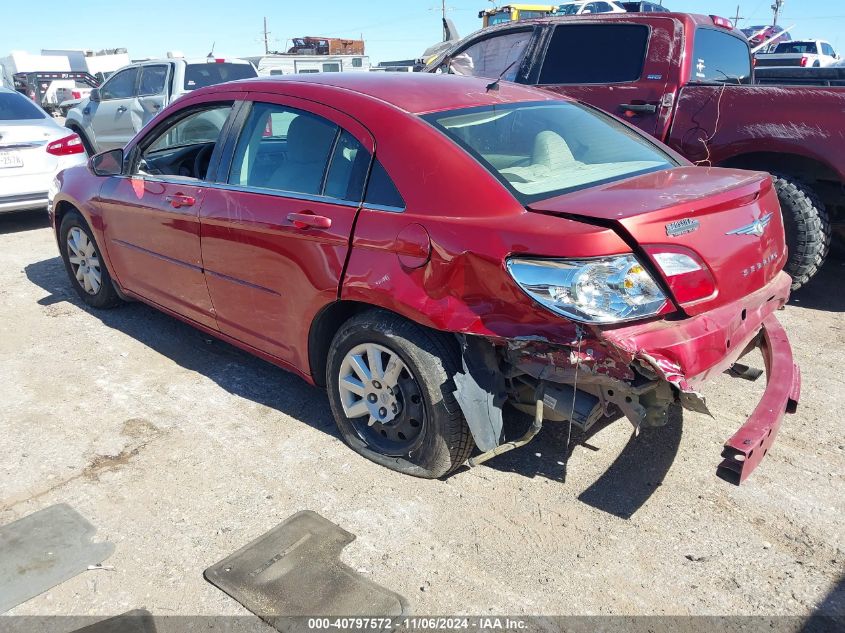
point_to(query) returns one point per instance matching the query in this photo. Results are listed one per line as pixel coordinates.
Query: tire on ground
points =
(807, 228)
(446, 442)
(106, 296)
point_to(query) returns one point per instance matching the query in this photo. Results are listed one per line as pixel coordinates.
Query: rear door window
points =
(721, 57)
(210, 74)
(595, 54)
(153, 80)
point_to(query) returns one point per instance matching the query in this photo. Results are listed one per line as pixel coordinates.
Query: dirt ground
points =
(180, 450)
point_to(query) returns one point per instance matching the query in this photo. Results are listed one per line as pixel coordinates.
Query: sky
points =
(392, 30)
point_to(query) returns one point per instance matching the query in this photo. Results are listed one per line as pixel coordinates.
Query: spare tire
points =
(807, 228)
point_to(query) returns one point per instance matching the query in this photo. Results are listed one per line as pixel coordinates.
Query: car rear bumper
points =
(643, 369)
(23, 202)
(747, 447)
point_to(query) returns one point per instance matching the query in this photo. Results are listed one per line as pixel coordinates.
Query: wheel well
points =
(807, 169)
(323, 328)
(326, 324)
(61, 210)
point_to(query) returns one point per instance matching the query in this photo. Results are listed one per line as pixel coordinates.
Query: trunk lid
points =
(23, 148)
(729, 218)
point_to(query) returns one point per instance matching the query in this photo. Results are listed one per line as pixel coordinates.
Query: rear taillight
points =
(66, 146)
(804, 61)
(76, 94)
(688, 277)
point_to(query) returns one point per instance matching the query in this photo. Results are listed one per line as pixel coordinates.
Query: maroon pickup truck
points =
(688, 80)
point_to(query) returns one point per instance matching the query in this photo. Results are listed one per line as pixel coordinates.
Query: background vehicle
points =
(769, 35)
(798, 53)
(535, 275)
(50, 88)
(514, 13)
(133, 95)
(585, 7)
(33, 149)
(643, 7)
(697, 97)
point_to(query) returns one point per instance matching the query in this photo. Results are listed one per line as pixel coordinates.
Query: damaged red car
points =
(437, 250)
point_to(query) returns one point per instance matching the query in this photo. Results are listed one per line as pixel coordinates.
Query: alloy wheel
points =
(84, 261)
(381, 398)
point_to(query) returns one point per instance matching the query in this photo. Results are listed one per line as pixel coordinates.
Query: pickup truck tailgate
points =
(730, 218)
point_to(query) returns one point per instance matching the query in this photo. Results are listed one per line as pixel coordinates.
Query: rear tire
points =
(807, 228)
(84, 264)
(424, 433)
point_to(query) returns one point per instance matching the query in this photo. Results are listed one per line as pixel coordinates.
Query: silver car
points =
(133, 95)
(33, 149)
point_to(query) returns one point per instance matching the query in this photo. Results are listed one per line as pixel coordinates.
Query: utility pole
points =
(737, 18)
(266, 38)
(776, 7)
(443, 14)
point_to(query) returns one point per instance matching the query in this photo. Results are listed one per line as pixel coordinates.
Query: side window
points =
(493, 56)
(120, 86)
(718, 56)
(347, 170)
(827, 49)
(153, 79)
(283, 149)
(616, 54)
(381, 191)
(184, 147)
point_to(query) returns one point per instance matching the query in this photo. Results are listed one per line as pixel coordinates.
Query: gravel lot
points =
(181, 449)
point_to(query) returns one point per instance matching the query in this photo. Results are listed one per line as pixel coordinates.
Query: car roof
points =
(415, 93)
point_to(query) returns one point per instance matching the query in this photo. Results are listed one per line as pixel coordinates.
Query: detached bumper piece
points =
(749, 445)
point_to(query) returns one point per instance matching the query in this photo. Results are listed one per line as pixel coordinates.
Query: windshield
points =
(567, 9)
(539, 150)
(16, 107)
(797, 47)
(209, 74)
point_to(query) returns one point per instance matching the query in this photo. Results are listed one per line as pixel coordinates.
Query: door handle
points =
(308, 220)
(121, 109)
(179, 200)
(639, 108)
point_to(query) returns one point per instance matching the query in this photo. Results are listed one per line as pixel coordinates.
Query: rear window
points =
(720, 57)
(202, 75)
(595, 54)
(16, 107)
(797, 47)
(540, 150)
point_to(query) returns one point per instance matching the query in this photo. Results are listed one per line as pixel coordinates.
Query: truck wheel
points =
(84, 264)
(390, 388)
(807, 228)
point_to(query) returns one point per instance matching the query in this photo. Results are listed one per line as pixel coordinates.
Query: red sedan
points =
(437, 251)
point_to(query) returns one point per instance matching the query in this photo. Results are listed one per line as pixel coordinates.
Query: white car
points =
(33, 149)
(799, 54)
(584, 7)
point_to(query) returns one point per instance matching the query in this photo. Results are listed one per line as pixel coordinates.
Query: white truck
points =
(799, 54)
(115, 112)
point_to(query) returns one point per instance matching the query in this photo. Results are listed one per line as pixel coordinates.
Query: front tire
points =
(390, 388)
(84, 263)
(807, 228)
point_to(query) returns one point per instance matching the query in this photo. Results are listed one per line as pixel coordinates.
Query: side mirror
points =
(108, 163)
(95, 95)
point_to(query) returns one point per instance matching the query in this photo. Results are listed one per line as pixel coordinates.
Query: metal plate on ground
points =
(44, 549)
(294, 570)
(137, 621)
